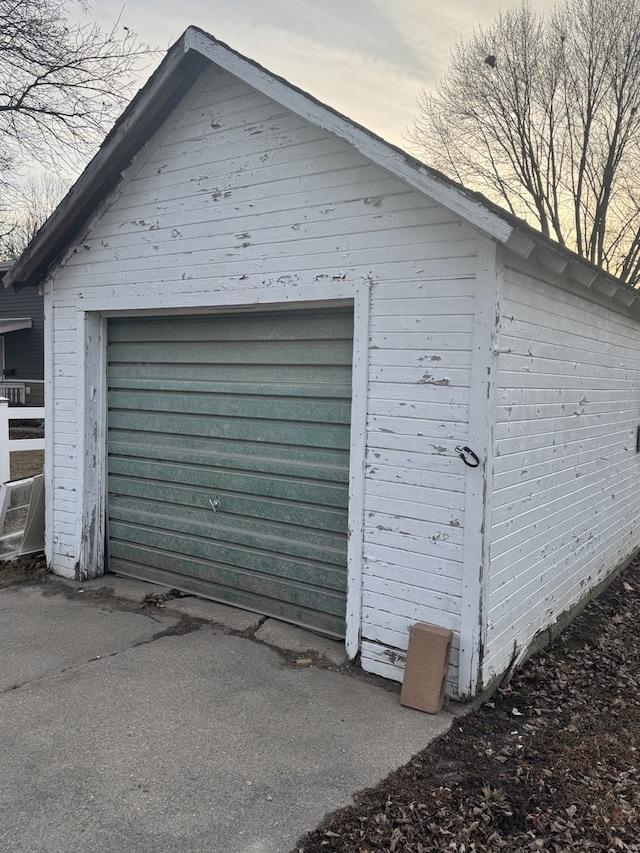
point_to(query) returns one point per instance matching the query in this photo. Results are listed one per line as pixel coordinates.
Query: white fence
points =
(7, 447)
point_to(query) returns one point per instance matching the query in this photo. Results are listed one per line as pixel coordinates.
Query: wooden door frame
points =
(91, 325)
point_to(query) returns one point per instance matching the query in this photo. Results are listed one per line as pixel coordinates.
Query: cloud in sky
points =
(356, 26)
(366, 58)
(371, 90)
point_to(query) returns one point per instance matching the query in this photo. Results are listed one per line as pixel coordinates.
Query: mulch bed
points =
(549, 764)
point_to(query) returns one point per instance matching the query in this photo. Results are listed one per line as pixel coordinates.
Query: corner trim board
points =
(477, 518)
(92, 445)
(359, 396)
(49, 393)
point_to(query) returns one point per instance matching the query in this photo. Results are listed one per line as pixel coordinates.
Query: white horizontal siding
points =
(234, 193)
(419, 376)
(63, 406)
(565, 497)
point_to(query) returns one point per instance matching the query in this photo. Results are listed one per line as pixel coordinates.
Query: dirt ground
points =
(549, 764)
(27, 569)
(26, 463)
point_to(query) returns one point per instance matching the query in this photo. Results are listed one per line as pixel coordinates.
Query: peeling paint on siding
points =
(429, 379)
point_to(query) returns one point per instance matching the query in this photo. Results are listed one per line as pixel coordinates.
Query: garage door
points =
(228, 453)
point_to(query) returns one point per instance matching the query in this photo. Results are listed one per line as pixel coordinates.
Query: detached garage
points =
(293, 369)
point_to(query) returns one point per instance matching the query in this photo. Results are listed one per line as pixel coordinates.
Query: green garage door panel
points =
(229, 458)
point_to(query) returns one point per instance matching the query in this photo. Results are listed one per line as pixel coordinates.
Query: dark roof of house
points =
(194, 51)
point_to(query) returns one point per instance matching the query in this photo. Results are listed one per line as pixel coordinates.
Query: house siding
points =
(565, 498)
(234, 195)
(23, 350)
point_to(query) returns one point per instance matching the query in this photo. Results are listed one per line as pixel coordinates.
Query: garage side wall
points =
(566, 499)
(236, 196)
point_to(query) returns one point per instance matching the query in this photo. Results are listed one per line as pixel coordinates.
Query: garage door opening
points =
(228, 458)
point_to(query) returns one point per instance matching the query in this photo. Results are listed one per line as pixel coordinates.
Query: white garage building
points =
(270, 335)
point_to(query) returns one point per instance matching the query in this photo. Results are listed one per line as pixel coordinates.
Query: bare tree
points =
(542, 115)
(35, 201)
(61, 86)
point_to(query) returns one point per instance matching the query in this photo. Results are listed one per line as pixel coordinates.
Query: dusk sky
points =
(365, 58)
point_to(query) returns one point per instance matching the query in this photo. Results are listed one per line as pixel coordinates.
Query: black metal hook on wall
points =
(464, 452)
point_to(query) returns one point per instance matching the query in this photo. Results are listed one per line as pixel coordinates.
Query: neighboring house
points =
(270, 336)
(21, 343)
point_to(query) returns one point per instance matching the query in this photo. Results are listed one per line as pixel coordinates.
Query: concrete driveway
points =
(179, 725)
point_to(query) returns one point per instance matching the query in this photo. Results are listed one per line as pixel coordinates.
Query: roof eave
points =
(530, 244)
(15, 324)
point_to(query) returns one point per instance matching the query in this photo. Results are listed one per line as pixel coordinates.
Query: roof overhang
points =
(530, 244)
(14, 324)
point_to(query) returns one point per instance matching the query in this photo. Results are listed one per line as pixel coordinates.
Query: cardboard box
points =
(426, 667)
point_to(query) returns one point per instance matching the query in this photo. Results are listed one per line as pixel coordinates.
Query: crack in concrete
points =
(62, 671)
(185, 625)
(250, 632)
